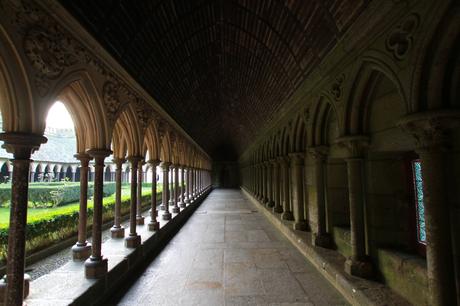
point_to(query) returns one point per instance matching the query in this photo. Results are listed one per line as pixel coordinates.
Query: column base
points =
(322, 240)
(4, 283)
(117, 232)
(154, 226)
(175, 210)
(166, 216)
(277, 209)
(287, 215)
(81, 252)
(270, 204)
(162, 207)
(300, 226)
(182, 205)
(95, 268)
(140, 220)
(171, 203)
(359, 268)
(132, 241)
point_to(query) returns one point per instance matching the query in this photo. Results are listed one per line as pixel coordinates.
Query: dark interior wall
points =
(225, 175)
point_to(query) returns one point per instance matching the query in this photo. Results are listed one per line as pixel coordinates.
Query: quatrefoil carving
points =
(401, 38)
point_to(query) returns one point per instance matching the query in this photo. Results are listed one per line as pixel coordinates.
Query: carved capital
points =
(84, 159)
(296, 158)
(165, 166)
(154, 162)
(431, 130)
(99, 155)
(319, 152)
(356, 145)
(21, 145)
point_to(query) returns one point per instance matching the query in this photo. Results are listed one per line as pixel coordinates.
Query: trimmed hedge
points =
(52, 194)
(61, 224)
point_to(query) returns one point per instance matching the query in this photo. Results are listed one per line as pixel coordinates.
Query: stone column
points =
(165, 196)
(140, 177)
(193, 184)
(133, 240)
(297, 191)
(32, 176)
(117, 230)
(270, 200)
(154, 225)
(73, 176)
(277, 186)
(189, 186)
(182, 189)
(82, 249)
(432, 133)
(263, 170)
(21, 145)
(175, 208)
(96, 265)
(320, 236)
(171, 185)
(287, 213)
(358, 263)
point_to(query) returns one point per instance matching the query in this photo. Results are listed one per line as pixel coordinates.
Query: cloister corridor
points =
(229, 254)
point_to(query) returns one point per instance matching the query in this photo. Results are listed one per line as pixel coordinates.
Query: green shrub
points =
(52, 194)
(61, 223)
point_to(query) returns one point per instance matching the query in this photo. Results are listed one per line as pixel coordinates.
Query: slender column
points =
(297, 191)
(154, 225)
(189, 186)
(165, 196)
(96, 265)
(21, 145)
(270, 199)
(277, 186)
(171, 185)
(133, 240)
(175, 168)
(193, 184)
(357, 264)
(183, 186)
(32, 176)
(432, 132)
(320, 236)
(117, 230)
(82, 249)
(264, 183)
(287, 213)
(73, 176)
(140, 177)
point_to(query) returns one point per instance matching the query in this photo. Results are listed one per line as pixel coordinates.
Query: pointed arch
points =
(129, 127)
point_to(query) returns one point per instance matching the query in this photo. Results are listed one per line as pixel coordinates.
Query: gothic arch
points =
(369, 75)
(129, 127)
(16, 101)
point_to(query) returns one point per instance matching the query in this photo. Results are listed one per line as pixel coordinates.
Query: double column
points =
(117, 230)
(287, 213)
(82, 249)
(297, 161)
(154, 225)
(277, 208)
(318, 226)
(165, 194)
(175, 170)
(188, 186)
(358, 263)
(140, 178)
(133, 240)
(96, 265)
(432, 132)
(269, 169)
(22, 146)
(182, 188)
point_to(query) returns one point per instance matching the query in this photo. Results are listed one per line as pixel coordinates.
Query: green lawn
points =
(39, 213)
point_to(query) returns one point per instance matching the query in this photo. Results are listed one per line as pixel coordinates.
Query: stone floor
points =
(229, 254)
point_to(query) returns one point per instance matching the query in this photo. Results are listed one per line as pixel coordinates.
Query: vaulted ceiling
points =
(220, 68)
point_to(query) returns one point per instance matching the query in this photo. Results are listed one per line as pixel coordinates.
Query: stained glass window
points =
(419, 203)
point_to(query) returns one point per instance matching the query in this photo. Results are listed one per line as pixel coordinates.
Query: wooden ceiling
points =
(220, 68)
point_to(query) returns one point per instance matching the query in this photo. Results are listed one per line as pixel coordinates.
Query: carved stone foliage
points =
(337, 87)
(144, 113)
(401, 38)
(115, 97)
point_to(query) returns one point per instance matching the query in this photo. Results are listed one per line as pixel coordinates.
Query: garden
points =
(53, 211)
